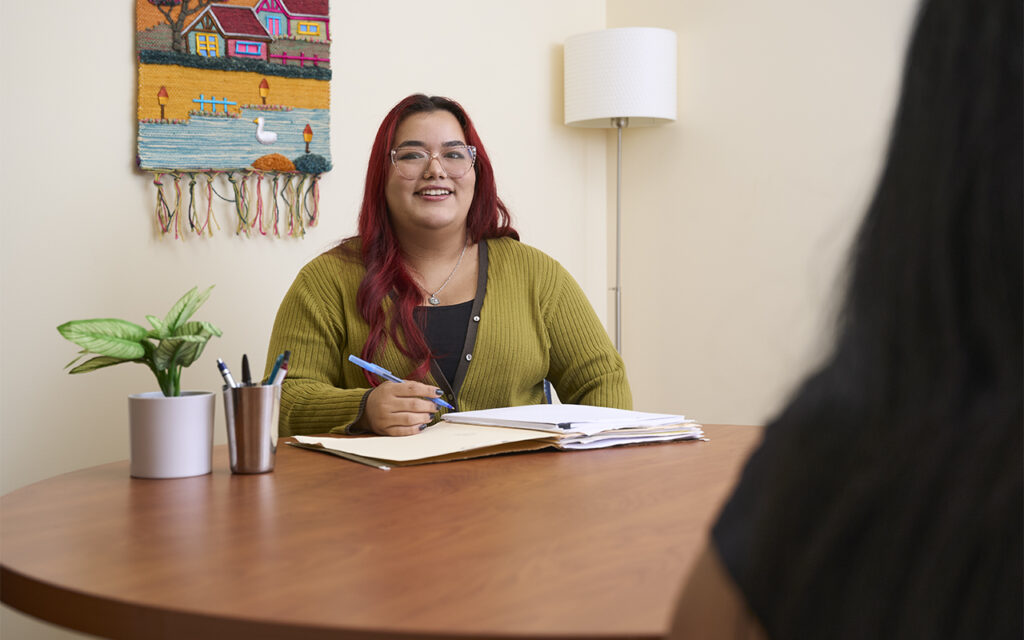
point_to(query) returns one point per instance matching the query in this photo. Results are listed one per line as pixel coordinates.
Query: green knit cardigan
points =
(530, 322)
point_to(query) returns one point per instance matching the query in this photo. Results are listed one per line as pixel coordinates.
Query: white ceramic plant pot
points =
(171, 437)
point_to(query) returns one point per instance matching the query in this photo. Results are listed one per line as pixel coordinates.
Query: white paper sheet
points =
(564, 418)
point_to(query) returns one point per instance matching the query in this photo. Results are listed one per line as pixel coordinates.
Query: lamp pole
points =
(619, 124)
(615, 77)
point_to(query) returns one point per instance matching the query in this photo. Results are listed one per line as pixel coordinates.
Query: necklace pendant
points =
(433, 296)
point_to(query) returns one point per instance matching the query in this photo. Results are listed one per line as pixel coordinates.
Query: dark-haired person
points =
(886, 499)
(436, 288)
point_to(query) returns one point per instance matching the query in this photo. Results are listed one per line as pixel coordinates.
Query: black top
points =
(846, 530)
(445, 331)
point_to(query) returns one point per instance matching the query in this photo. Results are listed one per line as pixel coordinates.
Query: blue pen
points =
(273, 370)
(387, 375)
(282, 370)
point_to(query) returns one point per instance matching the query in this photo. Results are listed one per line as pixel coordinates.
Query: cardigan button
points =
(476, 318)
(469, 356)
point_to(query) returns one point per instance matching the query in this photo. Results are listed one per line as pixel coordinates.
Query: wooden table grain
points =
(588, 544)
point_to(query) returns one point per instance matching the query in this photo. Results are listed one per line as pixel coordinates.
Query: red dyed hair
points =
(386, 272)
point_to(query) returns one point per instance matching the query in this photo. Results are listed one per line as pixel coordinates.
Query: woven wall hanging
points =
(234, 104)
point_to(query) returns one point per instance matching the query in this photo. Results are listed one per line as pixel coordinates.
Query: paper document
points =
(602, 441)
(472, 434)
(440, 439)
(566, 418)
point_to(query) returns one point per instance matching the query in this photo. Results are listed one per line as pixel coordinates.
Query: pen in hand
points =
(387, 375)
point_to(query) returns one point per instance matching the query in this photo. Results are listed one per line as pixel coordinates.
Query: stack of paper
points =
(472, 434)
(578, 426)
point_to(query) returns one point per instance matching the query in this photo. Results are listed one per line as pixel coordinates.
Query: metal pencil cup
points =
(251, 413)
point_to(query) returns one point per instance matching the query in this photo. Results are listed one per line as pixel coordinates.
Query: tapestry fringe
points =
(295, 194)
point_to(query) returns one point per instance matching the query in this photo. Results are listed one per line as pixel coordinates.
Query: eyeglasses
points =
(412, 162)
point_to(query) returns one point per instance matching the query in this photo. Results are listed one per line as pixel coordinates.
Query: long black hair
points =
(933, 312)
(921, 398)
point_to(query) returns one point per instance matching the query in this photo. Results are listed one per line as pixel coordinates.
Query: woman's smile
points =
(434, 193)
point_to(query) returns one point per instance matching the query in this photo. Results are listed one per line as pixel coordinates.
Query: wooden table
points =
(540, 545)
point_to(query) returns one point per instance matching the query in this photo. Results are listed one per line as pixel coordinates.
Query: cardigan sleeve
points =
(584, 367)
(309, 324)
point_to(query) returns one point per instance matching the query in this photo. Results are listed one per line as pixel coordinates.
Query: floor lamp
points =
(617, 78)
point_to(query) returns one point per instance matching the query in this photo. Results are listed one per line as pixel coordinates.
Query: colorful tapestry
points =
(234, 105)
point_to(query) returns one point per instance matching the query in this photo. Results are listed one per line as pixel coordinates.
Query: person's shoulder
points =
(340, 263)
(515, 264)
(512, 250)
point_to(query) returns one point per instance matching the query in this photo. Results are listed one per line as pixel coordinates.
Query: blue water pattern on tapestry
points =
(230, 143)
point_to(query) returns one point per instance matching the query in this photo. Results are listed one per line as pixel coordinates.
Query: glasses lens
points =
(457, 161)
(413, 162)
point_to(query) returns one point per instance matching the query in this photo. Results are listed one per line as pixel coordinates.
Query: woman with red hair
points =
(437, 289)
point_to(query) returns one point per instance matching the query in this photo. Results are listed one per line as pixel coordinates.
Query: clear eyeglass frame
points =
(414, 161)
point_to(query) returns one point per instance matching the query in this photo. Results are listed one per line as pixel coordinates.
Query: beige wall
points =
(736, 215)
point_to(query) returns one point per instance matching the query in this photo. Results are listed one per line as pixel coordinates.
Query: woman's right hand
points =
(399, 408)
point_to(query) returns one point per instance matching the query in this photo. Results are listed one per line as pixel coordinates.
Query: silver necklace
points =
(433, 296)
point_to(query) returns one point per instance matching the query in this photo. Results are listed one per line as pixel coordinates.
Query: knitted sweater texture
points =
(533, 322)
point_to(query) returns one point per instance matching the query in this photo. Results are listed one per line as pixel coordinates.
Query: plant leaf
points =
(81, 354)
(97, 363)
(159, 328)
(198, 328)
(195, 329)
(106, 337)
(184, 308)
(170, 351)
(173, 317)
(192, 352)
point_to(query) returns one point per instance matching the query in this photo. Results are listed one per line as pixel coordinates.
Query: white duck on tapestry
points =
(262, 135)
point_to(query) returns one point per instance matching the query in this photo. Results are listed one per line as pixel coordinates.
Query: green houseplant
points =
(173, 343)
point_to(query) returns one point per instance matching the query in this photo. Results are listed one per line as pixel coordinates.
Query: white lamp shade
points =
(620, 73)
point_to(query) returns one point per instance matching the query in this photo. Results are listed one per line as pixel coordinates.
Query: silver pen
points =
(226, 374)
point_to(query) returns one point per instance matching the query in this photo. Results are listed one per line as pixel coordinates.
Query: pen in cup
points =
(226, 374)
(273, 370)
(387, 375)
(246, 376)
(277, 377)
